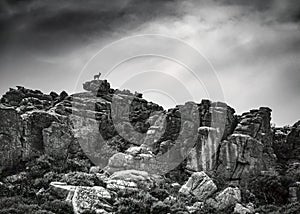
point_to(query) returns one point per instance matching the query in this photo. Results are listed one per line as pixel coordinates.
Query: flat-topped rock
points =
(97, 86)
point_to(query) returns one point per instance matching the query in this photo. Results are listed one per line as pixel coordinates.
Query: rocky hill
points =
(111, 151)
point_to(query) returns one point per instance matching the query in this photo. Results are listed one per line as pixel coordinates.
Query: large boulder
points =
(225, 199)
(240, 209)
(97, 86)
(140, 178)
(199, 185)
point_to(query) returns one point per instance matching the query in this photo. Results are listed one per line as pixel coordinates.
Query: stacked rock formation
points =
(133, 142)
(105, 123)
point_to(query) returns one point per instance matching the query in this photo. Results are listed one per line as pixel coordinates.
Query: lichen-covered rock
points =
(225, 199)
(91, 199)
(199, 185)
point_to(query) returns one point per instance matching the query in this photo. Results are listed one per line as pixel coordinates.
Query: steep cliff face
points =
(248, 150)
(105, 125)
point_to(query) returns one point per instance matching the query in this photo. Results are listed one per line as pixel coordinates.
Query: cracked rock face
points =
(239, 156)
(204, 155)
(248, 150)
(241, 151)
(34, 123)
(199, 185)
(57, 139)
(256, 123)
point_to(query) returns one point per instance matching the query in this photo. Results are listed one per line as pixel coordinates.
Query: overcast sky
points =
(253, 46)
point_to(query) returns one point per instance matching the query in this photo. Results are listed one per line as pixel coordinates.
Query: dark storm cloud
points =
(254, 45)
(257, 4)
(41, 23)
(278, 10)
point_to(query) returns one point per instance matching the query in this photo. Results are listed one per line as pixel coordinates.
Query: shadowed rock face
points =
(286, 143)
(10, 137)
(293, 141)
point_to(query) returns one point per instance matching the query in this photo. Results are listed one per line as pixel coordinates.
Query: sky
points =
(248, 57)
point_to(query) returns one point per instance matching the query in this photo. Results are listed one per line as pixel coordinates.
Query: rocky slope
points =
(136, 145)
